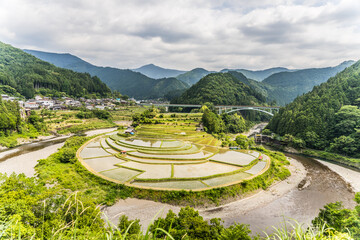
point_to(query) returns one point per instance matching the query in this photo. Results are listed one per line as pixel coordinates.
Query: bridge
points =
(220, 108)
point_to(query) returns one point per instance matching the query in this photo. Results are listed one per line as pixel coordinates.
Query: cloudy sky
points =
(185, 34)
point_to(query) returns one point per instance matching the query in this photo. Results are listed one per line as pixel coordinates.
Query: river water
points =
(22, 159)
(322, 186)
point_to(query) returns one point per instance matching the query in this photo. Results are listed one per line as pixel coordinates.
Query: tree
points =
(335, 216)
(236, 232)
(212, 122)
(188, 223)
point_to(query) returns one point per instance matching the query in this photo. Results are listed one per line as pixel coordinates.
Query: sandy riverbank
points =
(350, 176)
(146, 210)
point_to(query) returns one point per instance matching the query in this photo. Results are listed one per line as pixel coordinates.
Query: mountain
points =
(292, 84)
(221, 89)
(328, 117)
(258, 75)
(127, 82)
(270, 93)
(29, 75)
(193, 76)
(156, 72)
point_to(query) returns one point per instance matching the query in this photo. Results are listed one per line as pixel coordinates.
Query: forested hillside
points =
(328, 117)
(289, 85)
(126, 82)
(27, 74)
(221, 89)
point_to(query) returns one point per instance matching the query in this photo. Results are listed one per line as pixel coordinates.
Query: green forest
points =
(221, 89)
(28, 75)
(328, 117)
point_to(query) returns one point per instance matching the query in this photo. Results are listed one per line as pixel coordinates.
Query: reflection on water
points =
(31, 147)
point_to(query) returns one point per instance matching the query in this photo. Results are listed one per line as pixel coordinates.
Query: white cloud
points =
(187, 34)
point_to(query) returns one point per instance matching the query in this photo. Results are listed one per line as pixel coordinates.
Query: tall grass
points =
(292, 230)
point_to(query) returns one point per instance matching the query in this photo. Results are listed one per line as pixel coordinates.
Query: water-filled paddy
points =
(199, 155)
(142, 143)
(104, 143)
(202, 170)
(227, 179)
(187, 149)
(94, 144)
(110, 150)
(120, 174)
(93, 152)
(150, 170)
(104, 163)
(257, 168)
(161, 161)
(233, 157)
(114, 144)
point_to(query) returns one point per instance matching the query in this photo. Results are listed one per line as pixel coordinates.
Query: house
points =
(46, 103)
(58, 107)
(38, 97)
(31, 105)
(89, 107)
(100, 107)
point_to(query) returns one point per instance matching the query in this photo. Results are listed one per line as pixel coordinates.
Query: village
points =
(39, 102)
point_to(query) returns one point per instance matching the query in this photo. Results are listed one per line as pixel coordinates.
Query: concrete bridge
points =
(220, 108)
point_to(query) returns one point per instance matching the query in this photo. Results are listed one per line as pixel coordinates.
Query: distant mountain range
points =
(157, 72)
(258, 75)
(281, 87)
(133, 84)
(276, 84)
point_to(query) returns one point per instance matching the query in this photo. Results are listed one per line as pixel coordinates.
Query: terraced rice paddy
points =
(169, 164)
(232, 157)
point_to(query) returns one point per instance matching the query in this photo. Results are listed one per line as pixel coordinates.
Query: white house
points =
(31, 105)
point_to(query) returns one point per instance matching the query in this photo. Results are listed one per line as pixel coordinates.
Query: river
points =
(322, 186)
(22, 159)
